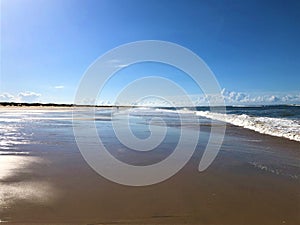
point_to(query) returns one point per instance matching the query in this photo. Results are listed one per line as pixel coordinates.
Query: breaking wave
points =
(278, 127)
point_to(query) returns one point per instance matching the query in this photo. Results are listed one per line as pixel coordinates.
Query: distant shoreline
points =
(35, 104)
(18, 104)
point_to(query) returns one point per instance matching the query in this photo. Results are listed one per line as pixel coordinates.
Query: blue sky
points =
(251, 46)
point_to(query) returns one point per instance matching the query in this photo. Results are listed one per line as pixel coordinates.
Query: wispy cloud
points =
(59, 87)
(117, 63)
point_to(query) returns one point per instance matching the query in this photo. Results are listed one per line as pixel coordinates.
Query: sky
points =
(252, 47)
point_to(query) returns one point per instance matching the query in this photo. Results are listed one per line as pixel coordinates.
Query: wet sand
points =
(254, 180)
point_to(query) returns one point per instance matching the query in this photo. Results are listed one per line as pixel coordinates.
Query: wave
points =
(278, 127)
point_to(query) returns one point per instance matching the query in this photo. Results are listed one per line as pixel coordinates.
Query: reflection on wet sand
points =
(11, 165)
(15, 184)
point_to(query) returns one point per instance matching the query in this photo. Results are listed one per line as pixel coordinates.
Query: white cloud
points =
(153, 101)
(232, 98)
(7, 97)
(28, 96)
(59, 87)
(105, 103)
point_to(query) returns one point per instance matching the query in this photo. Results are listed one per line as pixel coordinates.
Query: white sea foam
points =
(272, 126)
(279, 127)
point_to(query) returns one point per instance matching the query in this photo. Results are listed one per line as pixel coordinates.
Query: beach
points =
(45, 180)
(149, 112)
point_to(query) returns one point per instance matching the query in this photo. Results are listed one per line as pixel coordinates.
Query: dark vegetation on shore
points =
(18, 104)
(44, 104)
(33, 104)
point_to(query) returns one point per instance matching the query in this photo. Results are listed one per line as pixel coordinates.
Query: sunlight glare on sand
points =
(35, 192)
(9, 165)
(11, 190)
